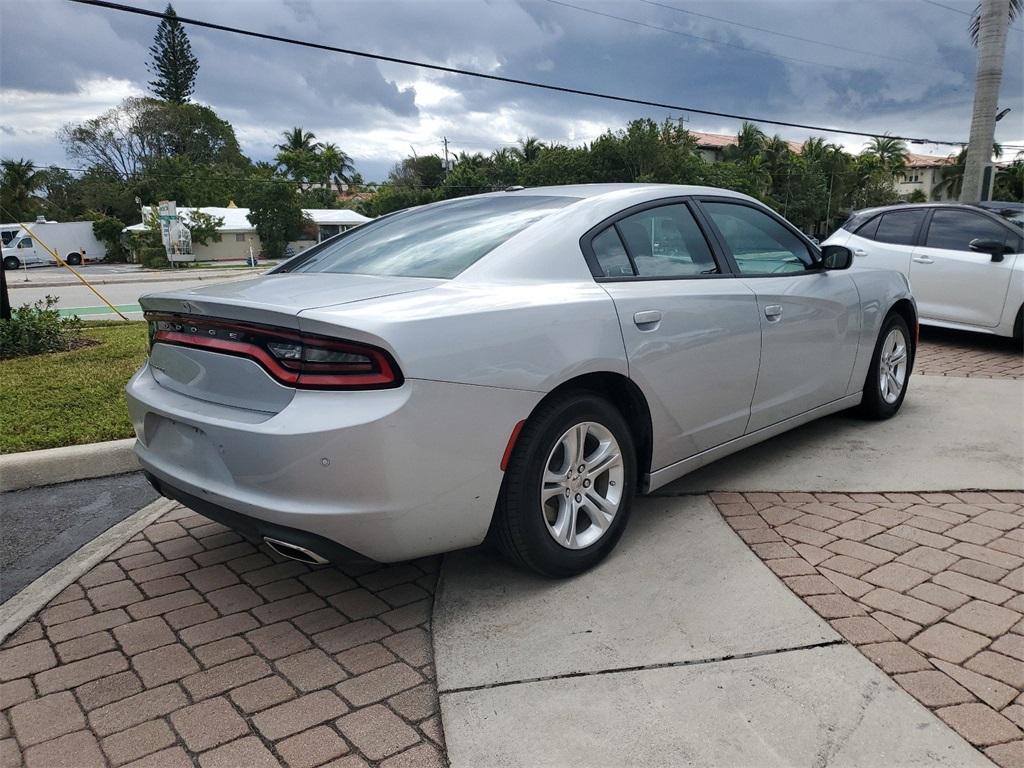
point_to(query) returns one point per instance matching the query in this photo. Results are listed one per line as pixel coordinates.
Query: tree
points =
(1010, 181)
(336, 165)
(529, 149)
(19, 181)
(275, 211)
(298, 140)
(891, 153)
(1015, 10)
(989, 27)
(749, 142)
(127, 138)
(173, 63)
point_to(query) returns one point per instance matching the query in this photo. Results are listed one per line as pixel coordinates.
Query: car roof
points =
(584, 191)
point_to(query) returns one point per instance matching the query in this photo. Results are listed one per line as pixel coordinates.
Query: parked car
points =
(518, 364)
(964, 262)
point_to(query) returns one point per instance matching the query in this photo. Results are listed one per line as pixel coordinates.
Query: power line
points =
(693, 36)
(780, 34)
(499, 78)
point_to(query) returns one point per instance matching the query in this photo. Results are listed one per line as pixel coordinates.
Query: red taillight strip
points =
(386, 374)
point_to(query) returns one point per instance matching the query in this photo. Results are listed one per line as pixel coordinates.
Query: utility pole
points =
(444, 139)
(978, 170)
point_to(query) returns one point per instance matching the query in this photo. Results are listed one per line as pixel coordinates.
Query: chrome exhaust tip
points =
(295, 552)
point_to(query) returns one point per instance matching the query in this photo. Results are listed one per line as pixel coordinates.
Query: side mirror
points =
(996, 248)
(836, 257)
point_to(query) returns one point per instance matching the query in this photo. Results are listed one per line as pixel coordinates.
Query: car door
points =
(26, 251)
(953, 283)
(690, 330)
(810, 317)
(887, 240)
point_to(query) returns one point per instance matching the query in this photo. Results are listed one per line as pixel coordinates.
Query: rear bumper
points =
(388, 474)
(256, 530)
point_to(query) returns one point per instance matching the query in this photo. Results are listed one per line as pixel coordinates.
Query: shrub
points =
(36, 328)
(154, 257)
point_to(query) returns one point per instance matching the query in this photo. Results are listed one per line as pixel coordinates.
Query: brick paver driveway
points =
(975, 355)
(928, 586)
(187, 646)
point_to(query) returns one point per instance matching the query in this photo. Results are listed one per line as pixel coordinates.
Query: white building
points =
(237, 235)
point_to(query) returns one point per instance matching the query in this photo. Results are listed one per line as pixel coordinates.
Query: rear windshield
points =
(437, 241)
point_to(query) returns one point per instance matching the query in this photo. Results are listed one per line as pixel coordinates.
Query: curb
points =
(22, 606)
(145, 277)
(50, 466)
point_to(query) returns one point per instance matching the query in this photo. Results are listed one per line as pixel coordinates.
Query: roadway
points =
(120, 284)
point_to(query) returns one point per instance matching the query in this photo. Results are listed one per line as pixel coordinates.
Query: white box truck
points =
(73, 241)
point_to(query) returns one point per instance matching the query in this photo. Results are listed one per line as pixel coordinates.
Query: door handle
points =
(922, 260)
(647, 320)
(859, 252)
(773, 312)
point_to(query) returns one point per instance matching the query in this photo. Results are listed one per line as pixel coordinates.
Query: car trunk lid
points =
(273, 300)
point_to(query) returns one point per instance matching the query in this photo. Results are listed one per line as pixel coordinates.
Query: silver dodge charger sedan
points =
(513, 366)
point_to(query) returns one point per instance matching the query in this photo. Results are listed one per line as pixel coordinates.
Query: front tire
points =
(889, 372)
(12, 262)
(569, 487)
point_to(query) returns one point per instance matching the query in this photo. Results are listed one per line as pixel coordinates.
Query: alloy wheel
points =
(582, 485)
(892, 366)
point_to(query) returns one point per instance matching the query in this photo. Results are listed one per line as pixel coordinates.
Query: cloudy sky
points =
(902, 66)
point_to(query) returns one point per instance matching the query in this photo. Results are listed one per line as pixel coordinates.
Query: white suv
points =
(964, 264)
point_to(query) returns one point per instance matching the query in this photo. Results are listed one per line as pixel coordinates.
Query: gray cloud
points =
(377, 110)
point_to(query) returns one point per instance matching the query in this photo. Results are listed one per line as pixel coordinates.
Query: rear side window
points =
(899, 227)
(666, 242)
(438, 241)
(954, 230)
(611, 254)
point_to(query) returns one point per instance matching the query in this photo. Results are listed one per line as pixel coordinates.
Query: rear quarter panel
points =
(531, 336)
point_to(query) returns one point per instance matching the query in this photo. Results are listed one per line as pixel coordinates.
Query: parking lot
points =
(187, 646)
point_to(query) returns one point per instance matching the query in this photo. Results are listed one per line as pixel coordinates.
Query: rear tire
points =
(11, 262)
(74, 259)
(551, 517)
(1018, 328)
(889, 372)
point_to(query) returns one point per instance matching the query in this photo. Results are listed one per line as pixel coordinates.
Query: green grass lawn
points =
(70, 398)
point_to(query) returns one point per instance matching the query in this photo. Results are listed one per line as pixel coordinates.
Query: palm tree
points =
(298, 140)
(529, 149)
(988, 29)
(337, 164)
(951, 177)
(749, 142)
(891, 153)
(1016, 7)
(19, 180)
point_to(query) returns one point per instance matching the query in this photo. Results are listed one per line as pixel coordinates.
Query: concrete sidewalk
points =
(682, 649)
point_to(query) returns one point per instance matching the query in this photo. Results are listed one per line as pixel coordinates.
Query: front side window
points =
(26, 243)
(899, 227)
(438, 241)
(954, 230)
(760, 245)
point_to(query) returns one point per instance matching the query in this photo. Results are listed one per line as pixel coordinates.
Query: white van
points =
(73, 241)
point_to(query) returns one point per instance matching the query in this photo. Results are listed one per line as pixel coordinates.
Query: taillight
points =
(296, 359)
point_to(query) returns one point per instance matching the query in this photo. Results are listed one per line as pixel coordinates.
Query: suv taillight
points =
(295, 359)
